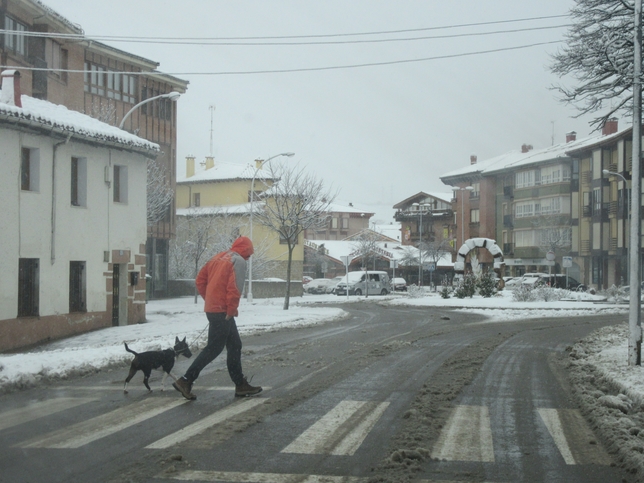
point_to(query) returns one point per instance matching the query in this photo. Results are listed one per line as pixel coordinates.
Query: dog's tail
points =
(130, 350)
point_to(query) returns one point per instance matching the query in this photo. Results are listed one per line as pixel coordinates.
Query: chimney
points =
(571, 136)
(473, 159)
(526, 147)
(610, 126)
(259, 163)
(190, 166)
(10, 93)
(210, 162)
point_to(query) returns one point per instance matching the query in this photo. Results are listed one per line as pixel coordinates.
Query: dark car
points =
(561, 281)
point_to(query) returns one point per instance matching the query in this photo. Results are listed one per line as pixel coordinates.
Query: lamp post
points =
(420, 207)
(462, 190)
(628, 204)
(173, 96)
(260, 163)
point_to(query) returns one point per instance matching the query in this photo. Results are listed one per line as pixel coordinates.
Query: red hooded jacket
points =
(221, 281)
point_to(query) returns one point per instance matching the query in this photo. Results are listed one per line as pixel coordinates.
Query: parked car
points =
(399, 284)
(320, 286)
(306, 279)
(378, 284)
(543, 279)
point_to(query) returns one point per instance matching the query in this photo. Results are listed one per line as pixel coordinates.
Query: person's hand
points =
(228, 317)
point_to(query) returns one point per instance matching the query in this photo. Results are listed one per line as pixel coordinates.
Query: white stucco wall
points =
(80, 233)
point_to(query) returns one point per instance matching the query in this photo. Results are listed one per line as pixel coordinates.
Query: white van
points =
(378, 284)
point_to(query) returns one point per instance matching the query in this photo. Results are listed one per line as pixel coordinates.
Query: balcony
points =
(587, 177)
(508, 249)
(507, 221)
(585, 247)
(586, 211)
(613, 208)
(508, 192)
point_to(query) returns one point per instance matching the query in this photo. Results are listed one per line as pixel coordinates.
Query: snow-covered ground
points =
(182, 317)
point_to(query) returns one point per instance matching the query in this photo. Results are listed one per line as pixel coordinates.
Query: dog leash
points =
(192, 344)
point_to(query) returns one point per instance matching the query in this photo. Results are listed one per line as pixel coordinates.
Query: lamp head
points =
(173, 96)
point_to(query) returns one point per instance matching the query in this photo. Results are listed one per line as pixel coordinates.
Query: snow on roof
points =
(516, 158)
(342, 207)
(241, 209)
(52, 115)
(223, 171)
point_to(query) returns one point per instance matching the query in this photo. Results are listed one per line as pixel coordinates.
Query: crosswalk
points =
(467, 435)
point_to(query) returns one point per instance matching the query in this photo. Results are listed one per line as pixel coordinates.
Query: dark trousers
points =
(221, 333)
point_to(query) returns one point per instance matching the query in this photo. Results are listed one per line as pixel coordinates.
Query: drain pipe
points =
(53, 197)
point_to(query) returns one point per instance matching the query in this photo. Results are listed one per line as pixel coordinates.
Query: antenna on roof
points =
(212, 113)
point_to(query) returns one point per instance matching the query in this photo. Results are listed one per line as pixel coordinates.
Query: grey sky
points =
(378, 134)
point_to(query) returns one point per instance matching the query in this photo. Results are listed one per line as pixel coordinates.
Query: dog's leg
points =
(129, 378)
(145, 379)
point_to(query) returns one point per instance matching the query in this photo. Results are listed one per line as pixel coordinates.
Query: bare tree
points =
(554, 233)
(159, 191)
(433, 251)
(599, 56)
(202, 233)
(296, 202)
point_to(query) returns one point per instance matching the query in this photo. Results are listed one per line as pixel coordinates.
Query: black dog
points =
(146, 361)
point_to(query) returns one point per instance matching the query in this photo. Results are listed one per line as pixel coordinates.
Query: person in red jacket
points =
(220, 282)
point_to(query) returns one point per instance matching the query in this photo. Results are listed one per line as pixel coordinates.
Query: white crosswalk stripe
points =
(207, 422)
(467, 436)
(333, 435)
(40, 409)
(551, 419)
(85, 432)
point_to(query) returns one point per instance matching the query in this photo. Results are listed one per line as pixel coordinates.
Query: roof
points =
(518, 159)
(446, 197)
(241, 209)
(54, 117)
(223, 171)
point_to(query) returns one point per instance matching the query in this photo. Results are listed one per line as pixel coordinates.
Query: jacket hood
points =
(243, 246)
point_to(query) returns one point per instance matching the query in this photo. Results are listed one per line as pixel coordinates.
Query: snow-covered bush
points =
(446, 292)
(615, 294)
(549, 294)
(523, 293)
(486, 284)
(466, 287)
(415, 292)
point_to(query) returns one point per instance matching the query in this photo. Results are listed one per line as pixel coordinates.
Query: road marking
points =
(551, 419)
(294, 384)
(235, 477)
(467, 436)
(573, 438)
(132, 388)
(341, 431)
(40, 409)
(207, 422)
(85, 432)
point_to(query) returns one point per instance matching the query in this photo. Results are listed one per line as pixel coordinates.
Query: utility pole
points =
(634, 315)
(212, 114)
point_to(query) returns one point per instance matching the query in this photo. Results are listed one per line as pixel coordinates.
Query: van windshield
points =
(353, 277)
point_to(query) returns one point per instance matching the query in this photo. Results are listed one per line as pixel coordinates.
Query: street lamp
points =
(173, 96)
(462, 190)
(628, 204)
(260, 163)
(420, 207)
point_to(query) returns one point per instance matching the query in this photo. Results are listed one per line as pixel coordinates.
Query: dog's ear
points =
(176, 339)
(184, 339)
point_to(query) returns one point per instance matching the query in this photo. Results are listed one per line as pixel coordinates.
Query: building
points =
(87, 76)
(343, 221)
(600, 207)
(74, 221)
(429, 215)
(222, 188)
(527, 201)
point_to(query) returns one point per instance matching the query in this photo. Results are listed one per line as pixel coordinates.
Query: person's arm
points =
(235, 285)
(202, 281)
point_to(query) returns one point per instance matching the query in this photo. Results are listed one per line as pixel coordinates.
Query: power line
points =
(228, 40)
(303, 69)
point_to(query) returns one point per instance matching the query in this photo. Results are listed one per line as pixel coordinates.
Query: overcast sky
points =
(379, 134)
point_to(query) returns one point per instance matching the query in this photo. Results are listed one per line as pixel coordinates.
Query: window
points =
(109, 83)
(334, 223)
(28, 287)
(475, 216)
(57, 59)
(524, 238)
(554, 174)
(196, 199)
(597, 200)
(15, 41)
(524, 179)
(77, 292)
(120, 184)
(79, 182)
(523, 209)
(476, 192)
(345, 223)
(30, 169)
